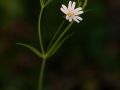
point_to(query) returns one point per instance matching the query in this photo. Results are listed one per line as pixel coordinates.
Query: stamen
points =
(70, 14)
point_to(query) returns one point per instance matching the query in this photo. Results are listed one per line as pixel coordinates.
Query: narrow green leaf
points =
(59, 45)
(38, 53)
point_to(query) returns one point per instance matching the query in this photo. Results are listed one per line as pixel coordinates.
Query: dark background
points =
(89, 60)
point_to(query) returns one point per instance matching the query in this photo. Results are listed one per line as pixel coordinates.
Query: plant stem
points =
(84, 4)
(39, 31)
(55, 35)
(40, 83)
(58, 39)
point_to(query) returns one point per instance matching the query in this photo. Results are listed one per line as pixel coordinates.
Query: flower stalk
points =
(41, 77)
(39, 31)
(55, 35)
(58, 39)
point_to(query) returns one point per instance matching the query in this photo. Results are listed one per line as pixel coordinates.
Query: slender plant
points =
(72, 15)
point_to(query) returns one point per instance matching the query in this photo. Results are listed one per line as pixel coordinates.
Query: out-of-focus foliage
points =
(89, 60)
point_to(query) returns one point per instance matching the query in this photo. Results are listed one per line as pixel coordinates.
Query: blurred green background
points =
(89, 60)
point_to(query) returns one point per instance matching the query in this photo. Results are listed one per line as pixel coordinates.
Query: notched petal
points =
(70, 5)
(79, 18)
(64, 7)
(63, 10)
(78, 9)
(73, 5)
(78, 13)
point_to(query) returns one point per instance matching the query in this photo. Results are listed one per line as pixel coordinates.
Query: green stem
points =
(39, 31)
(42, 3)
(84, 4)
(79, 3)
(56, 33)
(58, 39)
(40, 83)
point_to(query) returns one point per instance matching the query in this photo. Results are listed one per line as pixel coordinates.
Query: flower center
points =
(70, 14)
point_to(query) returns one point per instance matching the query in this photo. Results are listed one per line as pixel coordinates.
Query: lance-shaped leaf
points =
(38, 53)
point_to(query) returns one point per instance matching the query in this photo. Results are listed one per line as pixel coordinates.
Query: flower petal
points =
(78, 9)
(63, 10)
(79, 18)
(64, 7)
(78, 13)
(70, 5)
(75, 19)
(67, 17)
(73, 5)
(70, 19)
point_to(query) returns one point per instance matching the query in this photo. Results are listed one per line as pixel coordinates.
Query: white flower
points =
(72, 13)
